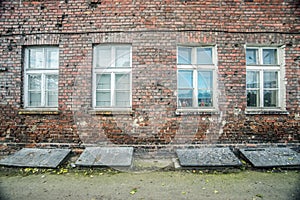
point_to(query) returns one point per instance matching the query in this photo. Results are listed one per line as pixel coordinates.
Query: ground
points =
(87, 184)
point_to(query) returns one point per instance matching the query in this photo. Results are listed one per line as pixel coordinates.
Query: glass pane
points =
(52, 58)
(204, 56)
(270, 98)
(103, 57)
(122, 57)
(184, 55)
(34, 99)
(122, 81)
(251, 56)
(252, 79)
(103, 81)
(205, 79)
(34, 82)
(52, 82)
(36, 58)
(185, 79)
(269, 56)
(252, 98)
(205, 98)
(103, 99)
(185, 98)
(52, 98)
(122, 98)
(270, 80)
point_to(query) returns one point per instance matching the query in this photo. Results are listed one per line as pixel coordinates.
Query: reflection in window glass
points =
(205, 80)
(34, 90)
(252, 79)
(122, 57)
(251, 56)
(204, 56)
(36, 57)
(270, 80)
(185, 79)
(184, 55)
(269, 56)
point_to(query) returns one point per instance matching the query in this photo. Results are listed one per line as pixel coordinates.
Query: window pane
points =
(122, 81)
(204, 56)
(34, 82)
(205, 79)
(252, 79)
(122, 57)
(36, 58)
(34, 98)
(103, 99)
(103, 57)
(103, 81)
(52, 98)
(52, 82)
(269, 56)
(251, 56)
(184, 55)
(252, 98)
(34, 90)
(52, 58)
(185, 98)
(205, 98)
(270, 98)
(52, 90)
(270, 80)
(122, 98)
(185, 79)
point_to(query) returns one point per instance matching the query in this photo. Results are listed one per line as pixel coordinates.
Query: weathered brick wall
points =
(153, 28)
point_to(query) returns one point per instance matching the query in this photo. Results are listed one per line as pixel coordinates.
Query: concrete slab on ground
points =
(271, 157)
(33, 157)
(106, 156)
(207, 157)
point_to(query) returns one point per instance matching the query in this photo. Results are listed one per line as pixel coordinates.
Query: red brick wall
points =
(154, 28)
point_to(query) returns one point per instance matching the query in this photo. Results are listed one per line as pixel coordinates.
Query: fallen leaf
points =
(133, 191)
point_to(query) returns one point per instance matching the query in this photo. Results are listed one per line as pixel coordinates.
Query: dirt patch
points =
(109, 184)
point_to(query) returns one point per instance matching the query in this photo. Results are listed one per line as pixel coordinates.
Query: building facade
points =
(149, 73)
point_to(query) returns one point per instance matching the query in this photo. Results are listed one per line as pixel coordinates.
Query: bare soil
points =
(185, 184)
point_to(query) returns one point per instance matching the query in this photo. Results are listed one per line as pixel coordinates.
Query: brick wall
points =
(153, 28)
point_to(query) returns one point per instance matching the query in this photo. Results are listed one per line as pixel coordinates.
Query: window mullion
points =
(261, 88)
(112, 90)
(43, 90)
(195, 88)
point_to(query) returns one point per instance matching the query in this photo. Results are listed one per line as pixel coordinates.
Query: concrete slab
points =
(33, 157)
(106, 156)
(271, 157)
(207, 157)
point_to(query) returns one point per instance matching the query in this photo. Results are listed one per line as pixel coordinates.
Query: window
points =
(41, 77)
(112, 76)
(264, 77)
(196, 77)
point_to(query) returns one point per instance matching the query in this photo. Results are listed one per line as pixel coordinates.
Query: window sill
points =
(196, 111)
(265, 112)
(39, 111)
(110, 111)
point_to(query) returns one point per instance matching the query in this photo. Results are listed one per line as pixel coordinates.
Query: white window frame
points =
(112, 70)
(195, 68)
(43, 71)
(260, 67)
